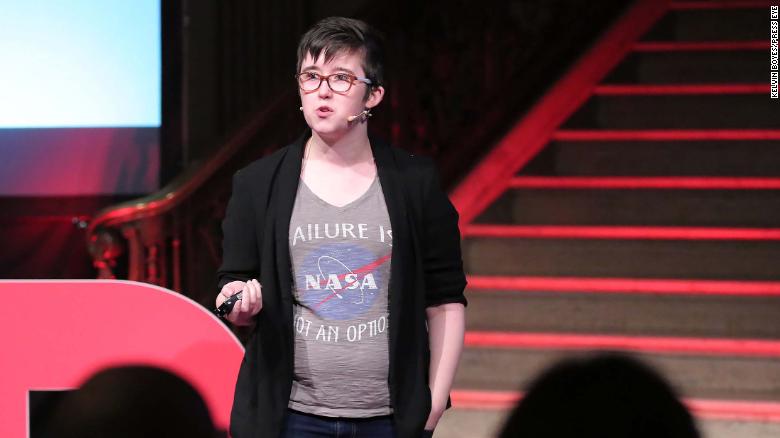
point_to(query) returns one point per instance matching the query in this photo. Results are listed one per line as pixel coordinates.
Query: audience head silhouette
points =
(605, 396)
(133, 401)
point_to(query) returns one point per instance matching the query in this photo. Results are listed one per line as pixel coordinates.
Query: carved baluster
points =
(176, 261)
(151, 264)
(135, 269)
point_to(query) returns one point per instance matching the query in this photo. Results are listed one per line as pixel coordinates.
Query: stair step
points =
(624, 202)
(620, 232)
(743, 410)
(706, 111)
(719, 4)
(699, 46)
(664, 286)
(487, 423)
(628, 182)
(701, 346)
(717, 158)
(750, 22)
(704, 66)
(667, 134)
(694, 376)
(677, 89)
(724, 260)
(626, 314)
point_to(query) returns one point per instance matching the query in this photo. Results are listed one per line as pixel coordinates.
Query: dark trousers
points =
(302, 425)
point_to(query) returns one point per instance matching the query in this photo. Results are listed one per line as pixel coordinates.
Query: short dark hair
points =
(336, 35)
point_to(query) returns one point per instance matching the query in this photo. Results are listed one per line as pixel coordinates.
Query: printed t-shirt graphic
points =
(340, 280)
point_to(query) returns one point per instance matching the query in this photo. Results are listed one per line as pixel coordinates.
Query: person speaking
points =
(346, 252)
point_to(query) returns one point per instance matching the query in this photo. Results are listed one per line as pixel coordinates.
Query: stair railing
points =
(149, 234)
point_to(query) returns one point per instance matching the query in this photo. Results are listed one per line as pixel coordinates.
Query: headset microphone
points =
(363, 115)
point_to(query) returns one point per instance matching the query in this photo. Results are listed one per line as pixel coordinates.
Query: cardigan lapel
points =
(392, 187)
(285, 190)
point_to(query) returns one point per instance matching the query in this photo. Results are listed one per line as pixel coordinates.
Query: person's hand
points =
(248, 306)
(433, 419)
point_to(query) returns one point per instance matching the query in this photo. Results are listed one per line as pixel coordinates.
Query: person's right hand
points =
(248, 306)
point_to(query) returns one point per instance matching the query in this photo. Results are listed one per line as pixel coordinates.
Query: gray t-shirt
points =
(341, 266)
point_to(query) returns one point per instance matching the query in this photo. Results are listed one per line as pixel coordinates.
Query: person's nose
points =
(324, 90)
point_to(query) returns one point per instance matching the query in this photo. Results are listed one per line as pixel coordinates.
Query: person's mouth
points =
(324, 111)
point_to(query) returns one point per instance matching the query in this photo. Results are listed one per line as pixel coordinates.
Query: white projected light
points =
(79, 63)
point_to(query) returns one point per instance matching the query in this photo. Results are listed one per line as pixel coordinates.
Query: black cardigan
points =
(426, 270)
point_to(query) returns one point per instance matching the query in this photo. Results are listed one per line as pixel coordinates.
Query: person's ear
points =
(375, 96)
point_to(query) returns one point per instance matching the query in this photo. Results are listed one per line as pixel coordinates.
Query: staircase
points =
(641, 217)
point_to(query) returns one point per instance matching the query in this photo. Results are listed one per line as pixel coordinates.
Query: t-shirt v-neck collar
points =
(346, 206)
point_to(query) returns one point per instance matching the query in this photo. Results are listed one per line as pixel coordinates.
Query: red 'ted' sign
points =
(56, 333)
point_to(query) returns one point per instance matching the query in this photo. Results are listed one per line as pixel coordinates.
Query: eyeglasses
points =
(338, 82)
